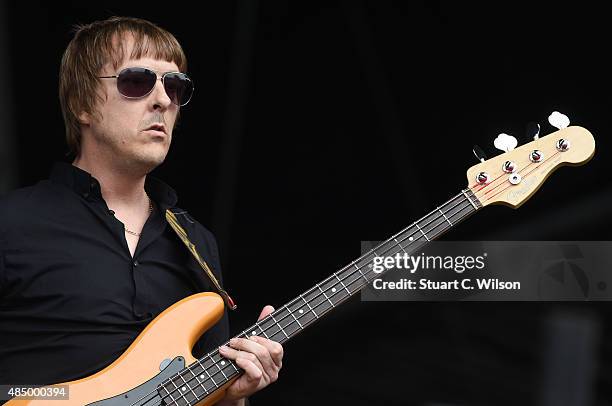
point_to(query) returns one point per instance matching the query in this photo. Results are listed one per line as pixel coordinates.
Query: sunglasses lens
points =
(178, 87)
(136, 82)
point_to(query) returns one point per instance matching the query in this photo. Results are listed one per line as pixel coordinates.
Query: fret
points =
(254, 330)
(446, 218)
(460, 211)
(228, 366)
(460, 208)
(286, 322)
(468, 198)
(333, 291)
(257, 329)
(364, 259)
(292, 315)
(422, 232)
(406, 239)
(269, 326)
(352, 279)
(308, 304)
(343, 285)
(458, 199)
(187, 386)
(204, 381)
(281, 329)
(278, 336)
(200, 385)
(194, 367)
(217, 365)
(220, 360)
(474, 199)
(436, 226)
(299, 308)
(411, 235)
(179, 392)
(211, 378)
(361, 272)
(400, 245)
(364, 264)
(168, 393)
(323, 292)
(317, 301)
(435, 223)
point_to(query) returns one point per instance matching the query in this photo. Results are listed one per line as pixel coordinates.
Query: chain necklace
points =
(150, 211)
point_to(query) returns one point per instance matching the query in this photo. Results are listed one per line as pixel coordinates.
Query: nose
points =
(159, 97)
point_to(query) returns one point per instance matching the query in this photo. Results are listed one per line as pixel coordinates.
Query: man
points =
(87, 258)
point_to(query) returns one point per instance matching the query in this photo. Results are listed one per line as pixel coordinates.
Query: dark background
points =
(316, 125)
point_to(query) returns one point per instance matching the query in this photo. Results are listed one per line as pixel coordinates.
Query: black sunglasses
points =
(135, 83)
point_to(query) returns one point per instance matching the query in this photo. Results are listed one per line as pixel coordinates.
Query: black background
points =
(335, 122)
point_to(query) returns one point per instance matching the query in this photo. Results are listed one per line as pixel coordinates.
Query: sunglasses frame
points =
(157, 77)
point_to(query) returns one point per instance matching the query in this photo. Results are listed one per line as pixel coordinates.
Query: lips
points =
(156, 127)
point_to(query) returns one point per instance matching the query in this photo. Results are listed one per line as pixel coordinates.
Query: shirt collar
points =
(82, 183)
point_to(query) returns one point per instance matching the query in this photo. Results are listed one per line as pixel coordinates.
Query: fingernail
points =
(223, 348)
(232, 341)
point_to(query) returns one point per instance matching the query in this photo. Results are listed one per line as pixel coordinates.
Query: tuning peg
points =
(479, 153)
(505, 142)
(532, 131)
(558, 120)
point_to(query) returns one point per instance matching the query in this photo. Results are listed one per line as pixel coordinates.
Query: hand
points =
(260, 358)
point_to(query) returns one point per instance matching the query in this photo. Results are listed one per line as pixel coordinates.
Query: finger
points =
(275, 349)
(265, 312)
(253, 374)
(235, 355)
(261, 352)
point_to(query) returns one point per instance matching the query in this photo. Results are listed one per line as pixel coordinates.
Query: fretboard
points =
(211, 372)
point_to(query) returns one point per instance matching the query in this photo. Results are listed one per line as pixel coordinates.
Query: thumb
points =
(265, 311)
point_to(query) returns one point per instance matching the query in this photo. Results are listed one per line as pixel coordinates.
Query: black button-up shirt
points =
(72, 297)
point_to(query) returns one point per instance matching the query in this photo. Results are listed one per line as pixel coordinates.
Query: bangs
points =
(152, 44)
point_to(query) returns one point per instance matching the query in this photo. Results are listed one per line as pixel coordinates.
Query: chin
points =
(148, 162)
(154, 161)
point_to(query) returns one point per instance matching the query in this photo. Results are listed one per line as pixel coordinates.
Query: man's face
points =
(122, 129)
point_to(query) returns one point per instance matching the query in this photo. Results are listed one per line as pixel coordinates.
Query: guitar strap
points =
(182, 234)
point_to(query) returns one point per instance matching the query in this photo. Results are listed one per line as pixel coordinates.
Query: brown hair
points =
(97, 44)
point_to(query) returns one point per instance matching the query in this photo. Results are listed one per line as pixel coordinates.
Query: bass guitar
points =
(159, 369)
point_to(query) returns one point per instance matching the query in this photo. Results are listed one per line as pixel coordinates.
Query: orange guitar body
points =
(171, 334)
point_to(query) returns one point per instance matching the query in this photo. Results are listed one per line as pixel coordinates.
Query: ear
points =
(84, 118)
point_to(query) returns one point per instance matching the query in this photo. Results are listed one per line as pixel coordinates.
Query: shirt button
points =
(111, 212)
(136, 263)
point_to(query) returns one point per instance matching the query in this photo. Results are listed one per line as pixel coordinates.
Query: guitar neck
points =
(510, 179)
(213, 371)
(305, 309)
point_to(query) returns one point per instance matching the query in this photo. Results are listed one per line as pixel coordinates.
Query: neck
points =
(118, 188)
(213, 371)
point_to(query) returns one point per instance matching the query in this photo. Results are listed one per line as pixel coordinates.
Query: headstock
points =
(512, 177)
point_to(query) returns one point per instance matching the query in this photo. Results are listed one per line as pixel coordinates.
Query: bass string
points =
(338, 283)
